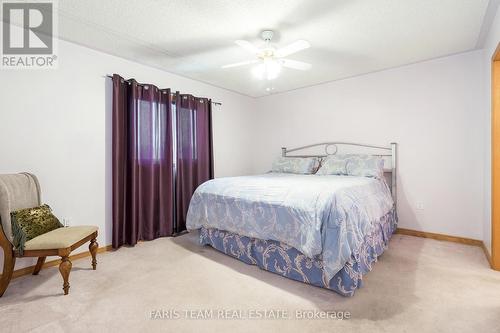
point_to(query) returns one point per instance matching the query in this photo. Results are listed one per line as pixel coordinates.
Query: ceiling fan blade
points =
(243, 63)
(248, 46)
(293, 48)
(301, 66)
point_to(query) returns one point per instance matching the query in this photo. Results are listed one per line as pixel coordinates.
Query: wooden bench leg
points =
(93, 246)
(8, 268)
(39, 264)
(65, 268)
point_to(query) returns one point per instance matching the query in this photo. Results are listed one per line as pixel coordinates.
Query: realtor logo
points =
(28, 35)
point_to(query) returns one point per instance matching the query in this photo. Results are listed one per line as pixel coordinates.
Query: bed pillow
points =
(32, 222)
(333, 165)
(299, 165)
(353, 165)
(365, 166)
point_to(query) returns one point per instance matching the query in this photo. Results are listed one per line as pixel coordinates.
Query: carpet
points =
(175, 285)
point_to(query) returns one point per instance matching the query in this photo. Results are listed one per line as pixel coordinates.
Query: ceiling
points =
(194, 38)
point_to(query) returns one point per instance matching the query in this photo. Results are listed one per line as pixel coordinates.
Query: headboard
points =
(325, 149)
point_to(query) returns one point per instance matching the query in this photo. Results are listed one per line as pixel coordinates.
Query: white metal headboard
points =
(331, 148)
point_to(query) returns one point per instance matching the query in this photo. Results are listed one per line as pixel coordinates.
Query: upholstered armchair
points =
(19, 191)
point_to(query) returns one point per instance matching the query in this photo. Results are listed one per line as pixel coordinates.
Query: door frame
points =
(495, 159)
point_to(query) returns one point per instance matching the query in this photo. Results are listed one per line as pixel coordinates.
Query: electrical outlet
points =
(420, 205)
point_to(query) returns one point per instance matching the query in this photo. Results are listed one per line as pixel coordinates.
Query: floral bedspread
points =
(317, 215)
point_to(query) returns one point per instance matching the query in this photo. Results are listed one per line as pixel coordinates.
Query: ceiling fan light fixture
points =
(269, 70)
(259, 71)
(271, 60)
(273, 69)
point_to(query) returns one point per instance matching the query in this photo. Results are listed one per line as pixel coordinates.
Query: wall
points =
(431, 109)
(56, 124)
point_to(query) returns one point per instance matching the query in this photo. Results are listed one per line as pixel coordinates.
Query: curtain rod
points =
(110, 76)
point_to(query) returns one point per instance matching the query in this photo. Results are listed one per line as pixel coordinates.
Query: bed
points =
(318, 228)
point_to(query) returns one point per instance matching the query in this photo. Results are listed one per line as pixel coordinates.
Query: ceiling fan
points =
(270, 60)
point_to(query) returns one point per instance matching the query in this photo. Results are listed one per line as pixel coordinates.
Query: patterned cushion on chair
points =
(29, 223)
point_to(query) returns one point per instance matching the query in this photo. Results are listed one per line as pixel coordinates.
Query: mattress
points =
(322, 217)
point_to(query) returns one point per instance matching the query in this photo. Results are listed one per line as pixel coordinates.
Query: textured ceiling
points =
(194, 38)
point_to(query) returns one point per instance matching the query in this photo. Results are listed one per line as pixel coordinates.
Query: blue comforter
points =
(317, 215)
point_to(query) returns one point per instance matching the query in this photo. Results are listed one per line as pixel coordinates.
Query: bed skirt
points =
(279, 258)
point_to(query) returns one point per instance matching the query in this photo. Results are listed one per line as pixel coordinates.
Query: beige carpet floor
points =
(418, 285)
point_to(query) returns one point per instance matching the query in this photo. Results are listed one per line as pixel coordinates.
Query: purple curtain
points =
(142, 162)
(194, 150)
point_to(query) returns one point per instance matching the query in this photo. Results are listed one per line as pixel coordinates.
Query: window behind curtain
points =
(152, 130)
(186, 128)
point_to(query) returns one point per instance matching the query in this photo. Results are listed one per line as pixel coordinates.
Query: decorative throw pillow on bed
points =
(300, 165)
(32, 222)
(353, 165)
